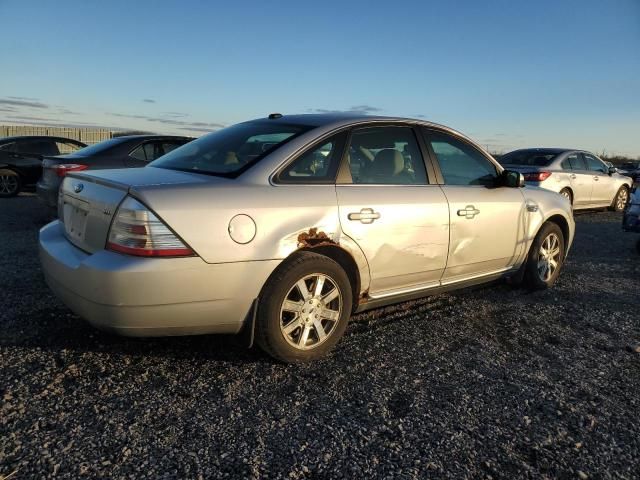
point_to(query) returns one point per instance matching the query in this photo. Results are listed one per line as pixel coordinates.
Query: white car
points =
(577, 175)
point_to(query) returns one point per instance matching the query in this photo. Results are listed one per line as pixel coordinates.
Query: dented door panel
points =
(402, 230)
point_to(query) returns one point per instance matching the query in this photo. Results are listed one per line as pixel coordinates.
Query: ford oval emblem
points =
(78, 187)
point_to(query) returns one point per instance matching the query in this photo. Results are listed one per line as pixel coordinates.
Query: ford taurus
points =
(281, 228)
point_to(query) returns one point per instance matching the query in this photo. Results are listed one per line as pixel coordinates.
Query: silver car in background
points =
(281, 228)
(578, 175)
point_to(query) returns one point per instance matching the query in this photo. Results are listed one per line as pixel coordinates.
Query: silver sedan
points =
(281, 228)
(577, 175)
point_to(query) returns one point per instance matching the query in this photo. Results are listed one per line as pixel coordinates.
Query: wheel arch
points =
(343, 258)
(564, 226)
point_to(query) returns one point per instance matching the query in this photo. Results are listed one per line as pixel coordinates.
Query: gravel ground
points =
(487, 383)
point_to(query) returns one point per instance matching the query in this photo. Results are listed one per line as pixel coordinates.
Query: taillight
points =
(63, 168)
(137, 231)
(536, 176)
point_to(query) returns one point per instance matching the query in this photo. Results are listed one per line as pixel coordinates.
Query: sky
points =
(508, 73)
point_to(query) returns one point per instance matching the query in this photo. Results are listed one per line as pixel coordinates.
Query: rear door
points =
(390, 209)
(487, 223)
(603, 185)
(580, 180)
(27, 158)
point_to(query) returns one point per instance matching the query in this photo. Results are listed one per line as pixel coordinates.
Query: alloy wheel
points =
(621, 200)
(549, 257)
(310, 311)
(8, 184)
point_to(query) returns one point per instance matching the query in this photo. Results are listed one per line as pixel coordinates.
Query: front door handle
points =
(366, 215)
(572, 176)
(596, 178)
(468, 212)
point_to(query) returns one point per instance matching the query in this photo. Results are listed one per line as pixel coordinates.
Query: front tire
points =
(304, 308)
(10, 183)
(620, 200)
(546, 257)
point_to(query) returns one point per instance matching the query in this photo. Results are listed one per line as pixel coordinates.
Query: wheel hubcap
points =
(549, 257)
(310, 311)
(8, 183)
(622, 199)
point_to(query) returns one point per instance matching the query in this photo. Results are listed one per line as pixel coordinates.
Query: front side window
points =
(460, 163)
(319, 164)
(229, 151)
(386, 156)
(594, 164)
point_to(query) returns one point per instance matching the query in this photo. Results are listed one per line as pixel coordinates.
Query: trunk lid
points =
(88, 201)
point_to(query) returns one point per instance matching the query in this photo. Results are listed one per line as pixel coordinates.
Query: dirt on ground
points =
(493, 382)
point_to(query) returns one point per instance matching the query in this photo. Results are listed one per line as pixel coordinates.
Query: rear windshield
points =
(99, 147)
(529, 158)
(230, 151)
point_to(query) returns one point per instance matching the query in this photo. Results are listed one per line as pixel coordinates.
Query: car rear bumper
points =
(150, 296)
(48, 193)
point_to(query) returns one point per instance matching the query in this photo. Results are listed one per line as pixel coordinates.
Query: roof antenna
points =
(275, 116)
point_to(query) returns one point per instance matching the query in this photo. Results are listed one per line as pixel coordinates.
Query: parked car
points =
(21, 159)
(579, 176)
(630, 169)
(283, 227)
(119, 152)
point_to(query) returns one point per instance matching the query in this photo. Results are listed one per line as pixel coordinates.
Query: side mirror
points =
(612, 170)
(512, 179)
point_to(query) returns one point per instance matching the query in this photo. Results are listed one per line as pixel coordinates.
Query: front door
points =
(603, 185)
(487, 222)
(387, 206)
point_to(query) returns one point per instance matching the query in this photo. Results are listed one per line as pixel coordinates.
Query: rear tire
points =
(297, 326)
(10, 183)
(565, 192)
(546, 257)
(620, 200)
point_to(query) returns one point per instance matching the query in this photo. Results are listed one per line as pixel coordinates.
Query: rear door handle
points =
(366, 215)
(572, 176)
(596, 178)
(468, 212)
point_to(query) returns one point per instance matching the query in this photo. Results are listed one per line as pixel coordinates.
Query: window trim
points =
(427, 131)
(344, 172)
(341, 142)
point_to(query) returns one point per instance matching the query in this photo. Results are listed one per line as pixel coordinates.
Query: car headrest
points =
(388, 161)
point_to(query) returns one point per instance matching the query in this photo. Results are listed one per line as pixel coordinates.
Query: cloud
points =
(22, 103)
(175, 114)
(148, 100)
(28, 117)
(7, 109)
(170, 121)
(357, 109)
(196, 129)
(51, 123)
(24, 98)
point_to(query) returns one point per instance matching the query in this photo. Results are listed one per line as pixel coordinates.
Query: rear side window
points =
(319, 164)
(38, 147)
(67, 147)
(460, 163)
(386, 156)
(140, 152)
(8, 147)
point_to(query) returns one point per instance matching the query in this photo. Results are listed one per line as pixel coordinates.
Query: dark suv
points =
(120, 152)
(21, 159)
